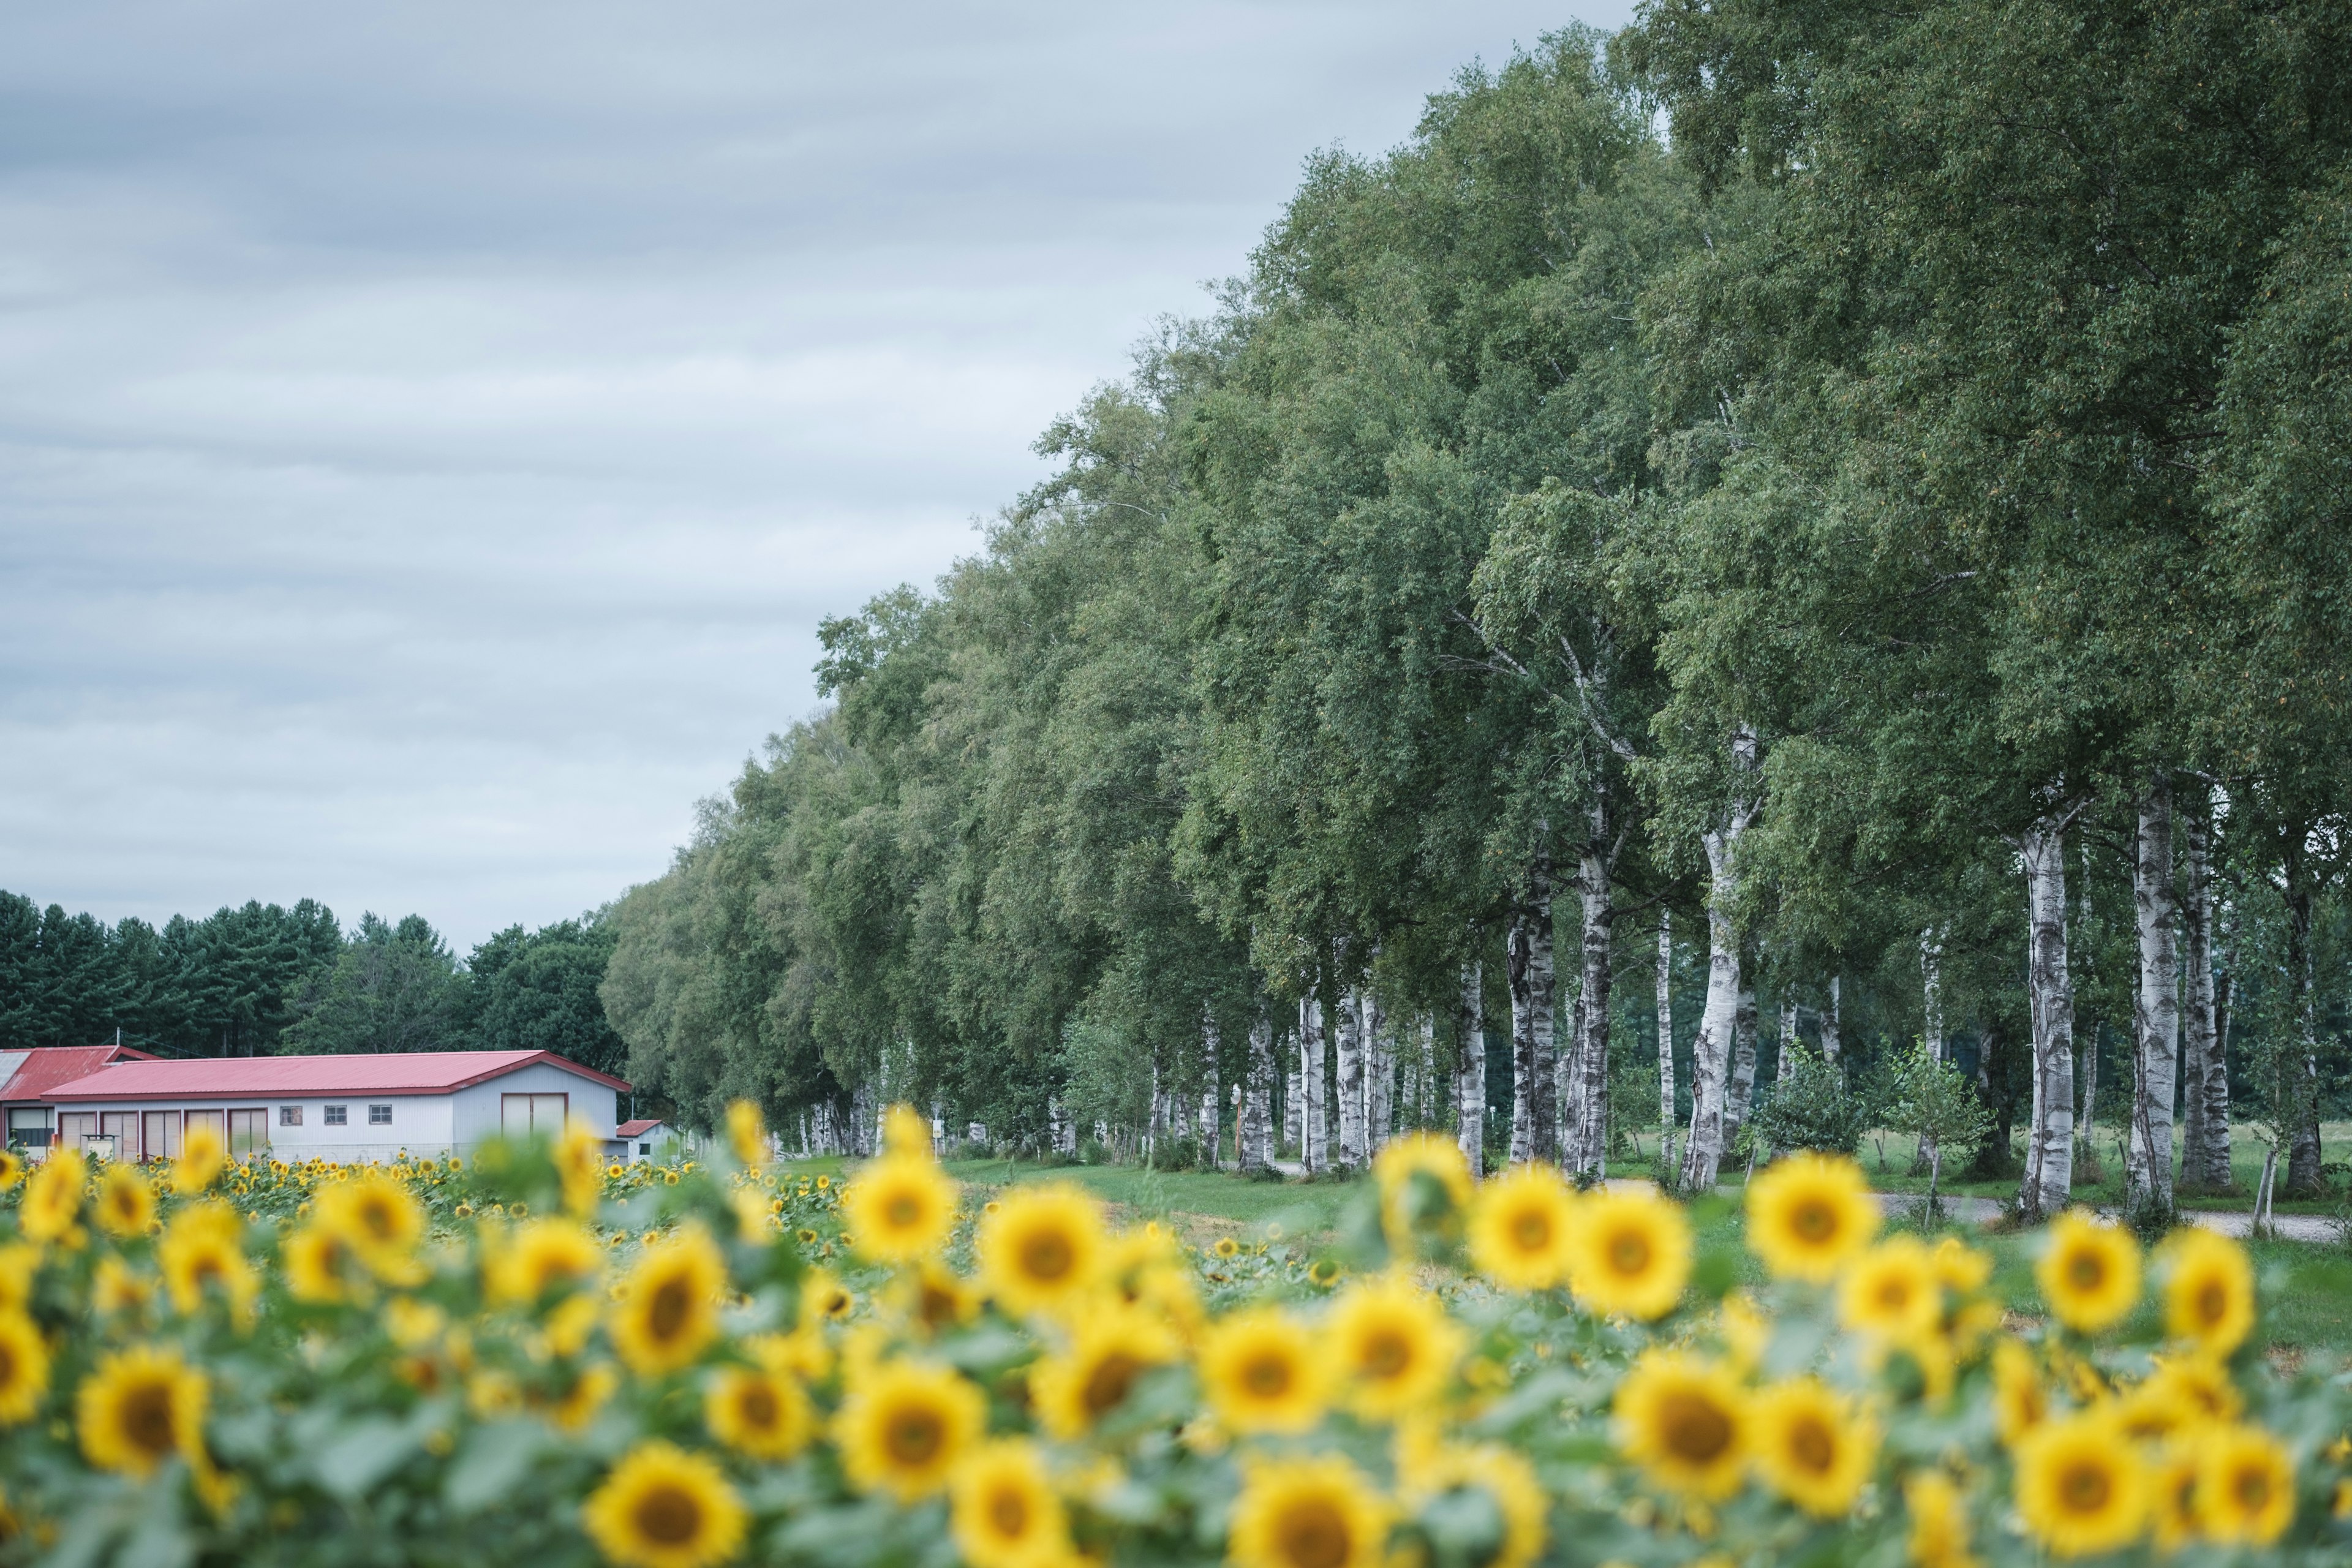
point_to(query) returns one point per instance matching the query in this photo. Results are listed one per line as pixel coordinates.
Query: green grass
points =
(1301, 1208)
(1888, 1160)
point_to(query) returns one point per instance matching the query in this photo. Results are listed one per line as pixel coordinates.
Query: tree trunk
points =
(1256, 1137)
(1380, 1077)
(2050, 1142)
(1210, 1047)
(1424, 1077)
(1535, 1124)
(1314, 1109)
(1832, 1044)
(1711, 1051)
(2205, 1161)
(2155, 1016)
(1348, 1042)
(1931, 991)
(1741, 1093)
(1784, 1044)
(1666, 1040)
(1294, 1106)
(2085, 947)
(1588, 1095)
(1470, 1073)
(2299, 1062)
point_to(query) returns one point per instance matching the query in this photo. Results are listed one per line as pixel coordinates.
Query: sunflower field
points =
(534, 1358)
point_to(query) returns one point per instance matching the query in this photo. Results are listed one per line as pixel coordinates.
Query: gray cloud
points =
(429, 435)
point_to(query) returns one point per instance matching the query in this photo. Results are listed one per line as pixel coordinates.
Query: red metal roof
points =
(636, 1129)
(45, 1067)
(287, 1078)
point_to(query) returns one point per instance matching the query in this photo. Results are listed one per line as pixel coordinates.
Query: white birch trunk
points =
(2050, 1143)
(1832, 1042)
(1470, 1073)
(1314, 1101)
(2205, 1130)
(1665, 999)
(1787, 1038)
(1742, 1094)
(1294, 1107)
(1380, 1077)
(1528, 971)
(1348, 1043)
(1711, 1051)
(1257, 1098)
(1931, 990)
(2155, 1016)
(1587, 1101)
(2299, 1093)
(1424, 1078)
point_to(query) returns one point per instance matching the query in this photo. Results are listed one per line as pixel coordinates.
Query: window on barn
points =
(338, 1116)
(379, 1115)
(289, 1116)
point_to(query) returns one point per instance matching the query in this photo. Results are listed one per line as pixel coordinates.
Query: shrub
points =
(1811, 1107)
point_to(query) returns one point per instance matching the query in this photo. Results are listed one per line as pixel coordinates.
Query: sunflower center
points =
(1386, 1353)
(147, 1419)
(1629, 1252)
(665, 1314)
(904, 1210)
(2086, 1488)
(2253, 1488)
(670, 1515)
(7, 1365)
(757, 1405)
(2086, 1271)
(1531, 1230)
(1814, 1222)
(376, 1216)
(2212, 1303)
(1314, 1535)
(1813, 1447)
(937, 1306)
(1267, 1376)
(1695, 1428)
(914, 1436)
(1047, 1254)
(1109, 1382)
(1895, 1294)
(1008, 1511)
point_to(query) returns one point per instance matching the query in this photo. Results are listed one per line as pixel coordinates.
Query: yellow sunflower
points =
(1042, 1250)
(53, 1197)
(1261, 1370)
(2081, 1487)
(1808, 1215)
(1319, 1512)
(2020, 1400)
(1227, 1247)
(319, 1264)
(542, 1256)
(577, 1406)
(1109, 1352)
(1435, 1470)
(666, 1311)
(1630, 1253)
(12, 1169)
(1396, 1348)
(379, 1220)
(580, 1167)
(1004, 1511)
(1939, 1521)
(1811, 1445)
(2089, 1272)
(1891, 1291)
(906, 1130)
(2172, 1497)
(905, 1425)
(747, 1133)
(1520, 1227)
(126, 1205)
(1959, 1267)
(2200, 1384)
(139, 1409)
(824, 1299)
(1686, 1422)
(663, 1508)
(203, 1155)
(763, 1413)
(934, 1299)
(901, 1207)
(2245, 1486)
(2209, 1291)
(23, 1368)
(1425, 1190)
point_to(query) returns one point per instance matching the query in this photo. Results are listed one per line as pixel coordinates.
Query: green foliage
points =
(1810, 1107)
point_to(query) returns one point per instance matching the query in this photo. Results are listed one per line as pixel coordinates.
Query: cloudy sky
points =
(429, 434)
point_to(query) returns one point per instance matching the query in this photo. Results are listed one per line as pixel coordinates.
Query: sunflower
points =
(203, 1155)
(1316, 1512)
(2089, 1272)
(379, 1220)
(2172, 1497)
(1890, 1292)
(1261, 1370)
(666, 1311)
(906, 1130)
(664, 1508)
(1425, 1189)
(1686, 1422)
(53, 1197)
(1939, 1521)
(1520, 1230)
(319, 1264)
(1042, 1250)
(2201, 1386)
(126, 1205)
(747, 1133)
(2081, 1488)
(905, 1425)
(23, 1368)
(118, 1289)
(2209, 1291)
(1812, 1445)
(1112, 1350)
(580, 1167)
(139, 1409)
(12, 1169)
(760, 1412)
(824, 1299)
(1004, 1511)
(1226, 1246)
(1435, 1470)
(1960, 1268)
(542, 1256)
(1630, 1253)
(577, 1406)
(933, 1298)
(901, 1207)
(1396, 1346)
(1808, 1215)
(2245, 1486)
(2020, 1400)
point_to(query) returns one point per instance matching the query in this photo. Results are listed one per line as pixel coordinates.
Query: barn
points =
(343, 1108)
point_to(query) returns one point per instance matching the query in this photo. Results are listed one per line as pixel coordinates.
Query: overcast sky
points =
(429, 434)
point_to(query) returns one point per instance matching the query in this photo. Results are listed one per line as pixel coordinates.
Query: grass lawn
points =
(1888, 1158)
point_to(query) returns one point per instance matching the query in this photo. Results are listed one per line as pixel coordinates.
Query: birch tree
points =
(2156, 1025)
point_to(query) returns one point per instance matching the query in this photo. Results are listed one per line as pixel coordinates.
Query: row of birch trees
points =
(1861, 496)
